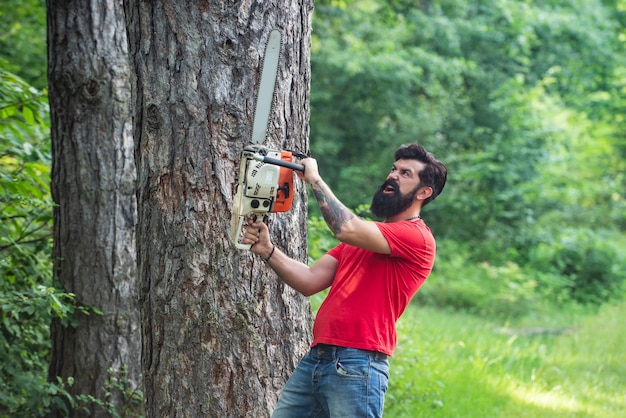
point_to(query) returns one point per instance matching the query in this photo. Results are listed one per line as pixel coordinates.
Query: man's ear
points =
(424, 193)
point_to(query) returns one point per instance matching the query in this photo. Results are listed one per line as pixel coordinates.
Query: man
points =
(374, 272)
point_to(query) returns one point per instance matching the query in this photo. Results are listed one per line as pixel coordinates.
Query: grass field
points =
(451, 364)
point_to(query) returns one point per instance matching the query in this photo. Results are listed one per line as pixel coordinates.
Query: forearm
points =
(296, 274)
(335, 213)
(306, 280)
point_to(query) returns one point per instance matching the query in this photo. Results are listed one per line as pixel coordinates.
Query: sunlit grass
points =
(456, 365)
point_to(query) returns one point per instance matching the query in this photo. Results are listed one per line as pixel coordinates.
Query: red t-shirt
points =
(370, 291)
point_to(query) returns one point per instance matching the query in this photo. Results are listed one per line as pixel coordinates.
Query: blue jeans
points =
(334, 382)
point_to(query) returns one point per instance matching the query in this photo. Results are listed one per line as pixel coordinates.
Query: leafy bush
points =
(24, 341)
(481, 288)
(129, 406)
(579, 266)
(28, 300)
(589, 261)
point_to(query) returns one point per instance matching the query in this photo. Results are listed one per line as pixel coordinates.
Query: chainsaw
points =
(265, 182)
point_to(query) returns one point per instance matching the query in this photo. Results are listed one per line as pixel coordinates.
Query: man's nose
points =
(393, 175)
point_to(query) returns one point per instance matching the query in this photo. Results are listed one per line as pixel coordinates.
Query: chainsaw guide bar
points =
(265, 182)
(265, 94)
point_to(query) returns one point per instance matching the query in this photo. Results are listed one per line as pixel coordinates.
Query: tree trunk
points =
(220, 332)
(93, 186)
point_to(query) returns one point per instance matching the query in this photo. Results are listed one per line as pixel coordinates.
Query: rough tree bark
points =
(93, 186)
(220, 333)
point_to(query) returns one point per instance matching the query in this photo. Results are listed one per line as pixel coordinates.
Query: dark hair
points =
(434, 175)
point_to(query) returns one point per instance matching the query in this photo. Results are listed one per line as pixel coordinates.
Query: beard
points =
(388, 205)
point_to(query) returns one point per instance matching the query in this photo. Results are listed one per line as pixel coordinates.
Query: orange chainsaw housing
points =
(284, 194)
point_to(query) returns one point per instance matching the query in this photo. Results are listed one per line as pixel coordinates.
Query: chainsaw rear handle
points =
(237, 234)
(281, 163)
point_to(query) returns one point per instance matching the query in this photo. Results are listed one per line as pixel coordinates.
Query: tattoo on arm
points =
(334, 212)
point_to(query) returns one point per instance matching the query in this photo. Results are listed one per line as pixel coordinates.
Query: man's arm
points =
(307, 280)
(344, 224)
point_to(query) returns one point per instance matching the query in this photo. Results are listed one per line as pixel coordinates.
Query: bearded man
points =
(372, 274)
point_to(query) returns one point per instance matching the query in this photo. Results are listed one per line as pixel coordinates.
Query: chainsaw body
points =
(265, 185)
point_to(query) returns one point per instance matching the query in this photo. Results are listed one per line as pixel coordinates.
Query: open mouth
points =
(388, 188)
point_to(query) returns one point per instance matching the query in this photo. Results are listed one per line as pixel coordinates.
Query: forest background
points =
(525, 103)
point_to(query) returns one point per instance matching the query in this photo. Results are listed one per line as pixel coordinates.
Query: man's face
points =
(399, 191)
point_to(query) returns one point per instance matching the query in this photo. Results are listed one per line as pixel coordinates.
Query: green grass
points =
(457, 365)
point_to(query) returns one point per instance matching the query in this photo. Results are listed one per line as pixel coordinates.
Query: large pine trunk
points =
(220, 333)
(93, 186)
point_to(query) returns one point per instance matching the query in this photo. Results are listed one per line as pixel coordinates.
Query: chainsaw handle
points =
(237, 234)
(281, 163)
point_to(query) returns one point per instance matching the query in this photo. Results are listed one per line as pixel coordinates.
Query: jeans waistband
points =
(334, 351)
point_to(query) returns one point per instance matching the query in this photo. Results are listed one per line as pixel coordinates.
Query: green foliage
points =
(373, 89)
(28, 300)
(116, 384)
(589, 262)
(513, 96)
(23, 39)
(584, 267)
(507, 290)
(25, 313)
(24, 174)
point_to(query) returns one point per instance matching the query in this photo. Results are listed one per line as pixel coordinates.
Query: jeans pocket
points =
(358, 369)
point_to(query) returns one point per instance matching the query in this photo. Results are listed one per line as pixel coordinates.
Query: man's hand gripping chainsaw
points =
(265, 186)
